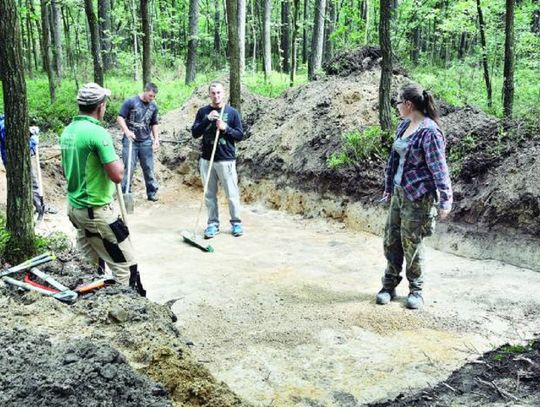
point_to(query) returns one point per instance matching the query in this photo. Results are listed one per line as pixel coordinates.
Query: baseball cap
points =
(92, 94)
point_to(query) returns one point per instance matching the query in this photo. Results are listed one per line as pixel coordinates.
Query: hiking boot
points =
(51, 209)
(153, 198)
(236, 230)
(415, 300)
(211, 231)
(385, 296)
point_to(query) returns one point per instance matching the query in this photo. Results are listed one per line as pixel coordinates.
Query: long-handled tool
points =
(41, 212)
(128, 196)
(191, 236)
(33, 262)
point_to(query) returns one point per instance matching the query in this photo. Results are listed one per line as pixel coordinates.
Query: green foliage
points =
(54, 242)
(4, 234)
(53, 117)
(276, 84)
(371, 142)
(512, 350)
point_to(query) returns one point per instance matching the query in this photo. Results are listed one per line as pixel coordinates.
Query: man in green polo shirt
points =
(92, 168)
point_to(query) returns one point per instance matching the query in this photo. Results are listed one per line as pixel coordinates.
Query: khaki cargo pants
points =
(102, 235)
(407, 224)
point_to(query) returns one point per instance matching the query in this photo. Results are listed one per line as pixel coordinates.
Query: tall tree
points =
(294, 44)
(242, 34)
(535, 20)
(267, 47)
(191, 60)
(19, 223)
(147, 42)
(508, 84)
(305, 33)
(329, 29)
(46, 49)
(56, 30)
(217, 33)
(234, 54)
(94, 41)
(385, 108)
(134, 32)
(317, 40)
(482, 28)
(105, 33)
(285, 40)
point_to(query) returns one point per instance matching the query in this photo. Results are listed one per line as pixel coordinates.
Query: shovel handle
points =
(121, 203)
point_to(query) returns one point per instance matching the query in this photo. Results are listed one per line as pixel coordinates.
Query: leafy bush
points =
(371, 142)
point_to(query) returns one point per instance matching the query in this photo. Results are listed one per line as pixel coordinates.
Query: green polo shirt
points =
(86, 147)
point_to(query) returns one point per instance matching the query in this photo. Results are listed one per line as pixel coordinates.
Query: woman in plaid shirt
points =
(418, 186)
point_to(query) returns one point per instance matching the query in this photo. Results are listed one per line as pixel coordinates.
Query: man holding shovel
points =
(92, 169)
(138, 120)
(217, 116)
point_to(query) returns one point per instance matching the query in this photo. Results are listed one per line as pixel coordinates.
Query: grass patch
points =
(358, 145)
(276, 84)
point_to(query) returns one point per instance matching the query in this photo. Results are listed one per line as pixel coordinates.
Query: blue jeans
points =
(141, 151)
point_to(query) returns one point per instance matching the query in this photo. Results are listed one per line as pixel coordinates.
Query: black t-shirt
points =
(139, 116)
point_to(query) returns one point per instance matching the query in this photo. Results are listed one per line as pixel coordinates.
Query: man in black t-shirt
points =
(207, 122)
(138, 120)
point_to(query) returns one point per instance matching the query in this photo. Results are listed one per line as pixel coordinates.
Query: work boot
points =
(153, 198)
(385, 296)
(415, 300)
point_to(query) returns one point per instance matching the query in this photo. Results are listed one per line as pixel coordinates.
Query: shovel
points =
(40, 187)
(128, 196)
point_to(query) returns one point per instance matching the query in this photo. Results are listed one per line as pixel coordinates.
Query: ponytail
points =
(430, 109)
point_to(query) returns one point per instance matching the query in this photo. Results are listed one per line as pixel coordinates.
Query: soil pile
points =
(509, 375)
(110, 348)
(284, 160)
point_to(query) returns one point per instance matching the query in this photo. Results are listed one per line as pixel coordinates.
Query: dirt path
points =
(285, 315)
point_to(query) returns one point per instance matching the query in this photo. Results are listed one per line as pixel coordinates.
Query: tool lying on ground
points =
(190, 236)
(50, 286)
(33, 262)
(128, 196)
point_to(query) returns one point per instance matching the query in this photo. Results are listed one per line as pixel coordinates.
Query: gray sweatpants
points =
(224, 172)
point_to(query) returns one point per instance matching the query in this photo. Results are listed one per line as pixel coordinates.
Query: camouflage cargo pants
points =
(407, 224)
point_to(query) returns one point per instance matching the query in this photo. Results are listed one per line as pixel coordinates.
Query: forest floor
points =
(285, 315)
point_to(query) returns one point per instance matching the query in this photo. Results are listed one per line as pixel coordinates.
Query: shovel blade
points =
(129, 203)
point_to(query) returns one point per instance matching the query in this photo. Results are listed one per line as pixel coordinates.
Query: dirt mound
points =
(79, 372)
(112, 347)
(509, 376)
(358, 60)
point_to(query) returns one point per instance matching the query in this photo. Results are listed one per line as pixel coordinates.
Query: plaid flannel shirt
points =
(425, 169)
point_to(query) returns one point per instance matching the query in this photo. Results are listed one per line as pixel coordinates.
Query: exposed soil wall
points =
(283, 161)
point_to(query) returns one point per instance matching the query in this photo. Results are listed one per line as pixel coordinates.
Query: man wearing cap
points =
(92, 169)
(138, 120)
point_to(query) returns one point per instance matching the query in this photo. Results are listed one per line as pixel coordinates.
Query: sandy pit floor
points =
(285, 314)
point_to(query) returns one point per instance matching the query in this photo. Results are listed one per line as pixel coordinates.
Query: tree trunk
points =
(285, 36)
(56, 28)
(217, 34)
(315, 61)
(267, 48)
(94, 40)
(254, 34)
(416, 39)
(146, 43)
(105, 33)
(234, 54)
(305, 33)
(30, 5)
(535, 21)
(508, 84)
(385, 108)
(242, 34)
(46, 49)
(191, 61)
(366, 30)
(135, 41)
(482, 28)
(19, 223)
(329, 30)
(462, 45)
(294, 58)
